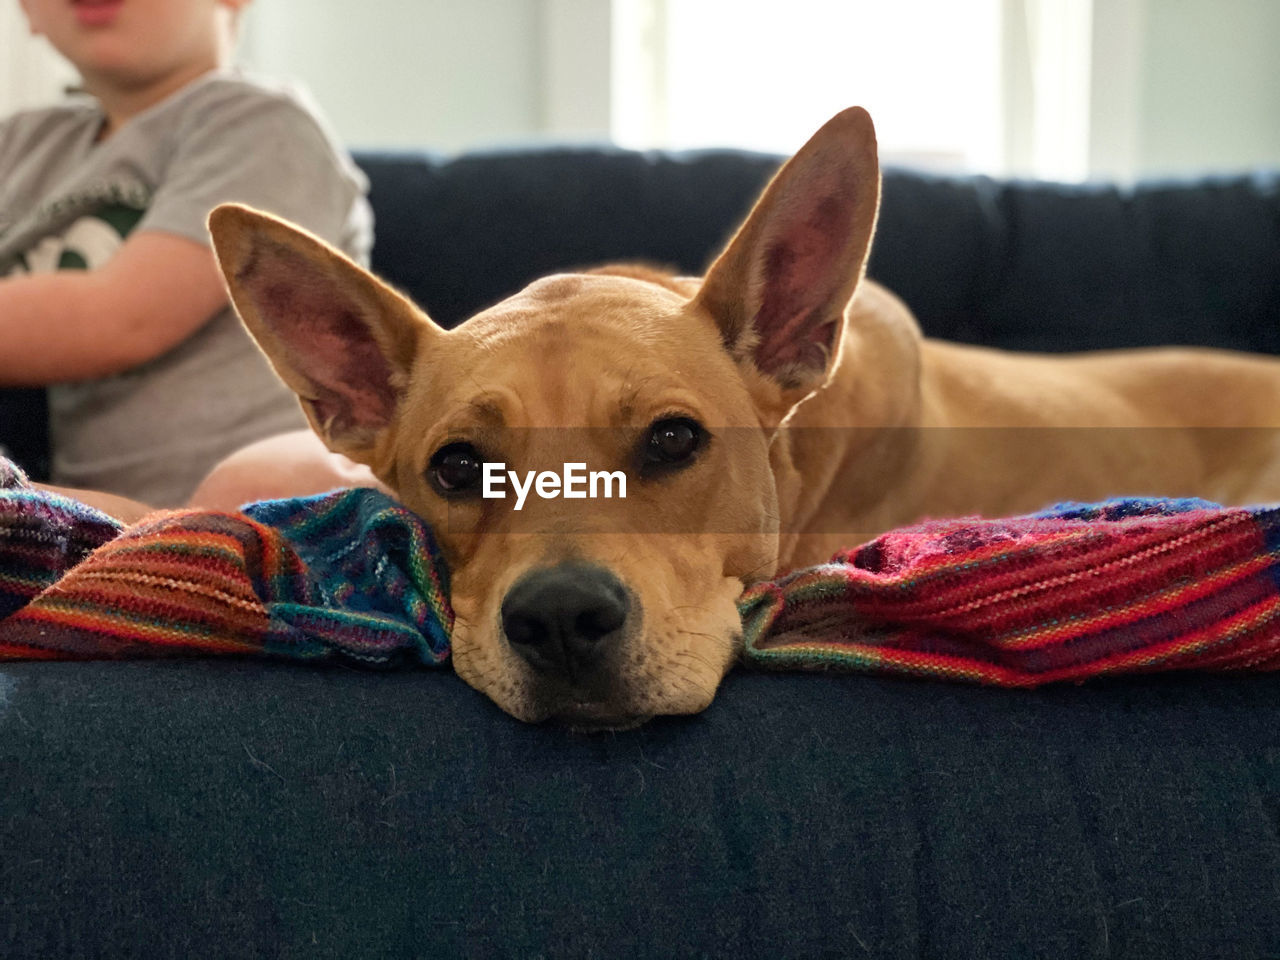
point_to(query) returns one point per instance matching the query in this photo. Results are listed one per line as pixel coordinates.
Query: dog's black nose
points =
(561, 619)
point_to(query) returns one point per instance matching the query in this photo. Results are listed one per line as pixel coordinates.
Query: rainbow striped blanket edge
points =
(1081, 590)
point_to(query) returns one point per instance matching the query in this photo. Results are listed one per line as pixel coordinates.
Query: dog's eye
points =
(673, 442)
(455, 468)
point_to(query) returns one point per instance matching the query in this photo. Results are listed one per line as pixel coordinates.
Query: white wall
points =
(31, 74)
(1184, 87)
(1210, 87)
(442, 74)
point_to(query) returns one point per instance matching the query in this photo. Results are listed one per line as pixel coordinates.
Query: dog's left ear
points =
(779, 291)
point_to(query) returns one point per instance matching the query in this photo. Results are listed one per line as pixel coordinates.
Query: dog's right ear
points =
(342, 340)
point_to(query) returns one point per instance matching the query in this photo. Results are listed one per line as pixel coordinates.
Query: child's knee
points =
(287, 465)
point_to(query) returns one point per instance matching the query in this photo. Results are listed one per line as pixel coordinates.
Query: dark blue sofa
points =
(220, 809)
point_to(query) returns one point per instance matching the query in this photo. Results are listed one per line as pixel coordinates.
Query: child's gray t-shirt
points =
(68, 202)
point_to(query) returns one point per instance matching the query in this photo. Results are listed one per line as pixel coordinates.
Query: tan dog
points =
(764, 417)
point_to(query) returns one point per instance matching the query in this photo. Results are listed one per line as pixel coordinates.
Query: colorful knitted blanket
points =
(1074, 592)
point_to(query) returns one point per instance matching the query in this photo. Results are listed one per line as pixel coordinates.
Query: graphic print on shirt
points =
(86, 244)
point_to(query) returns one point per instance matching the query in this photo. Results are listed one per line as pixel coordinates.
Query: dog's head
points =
(599, 611)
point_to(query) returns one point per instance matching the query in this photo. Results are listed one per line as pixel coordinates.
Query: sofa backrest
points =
(1027, 266)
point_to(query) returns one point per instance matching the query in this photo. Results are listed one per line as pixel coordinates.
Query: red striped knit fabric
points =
(1080, 591)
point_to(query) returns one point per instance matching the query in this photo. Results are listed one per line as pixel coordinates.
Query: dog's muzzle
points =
(567, 622)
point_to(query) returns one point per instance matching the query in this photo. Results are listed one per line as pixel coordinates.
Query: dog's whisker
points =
(691, 655)
(689, 606)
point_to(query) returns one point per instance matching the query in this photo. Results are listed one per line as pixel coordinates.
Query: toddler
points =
(109, 293)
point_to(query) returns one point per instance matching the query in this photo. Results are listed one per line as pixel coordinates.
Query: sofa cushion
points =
(246, 809)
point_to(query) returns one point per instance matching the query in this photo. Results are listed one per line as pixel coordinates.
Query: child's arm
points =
(75, 325)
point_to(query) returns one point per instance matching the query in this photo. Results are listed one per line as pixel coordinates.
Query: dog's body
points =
(987, 432)
(768, 415)
(950, 430)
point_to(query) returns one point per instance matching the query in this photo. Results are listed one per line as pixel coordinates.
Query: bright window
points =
(764, 74)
